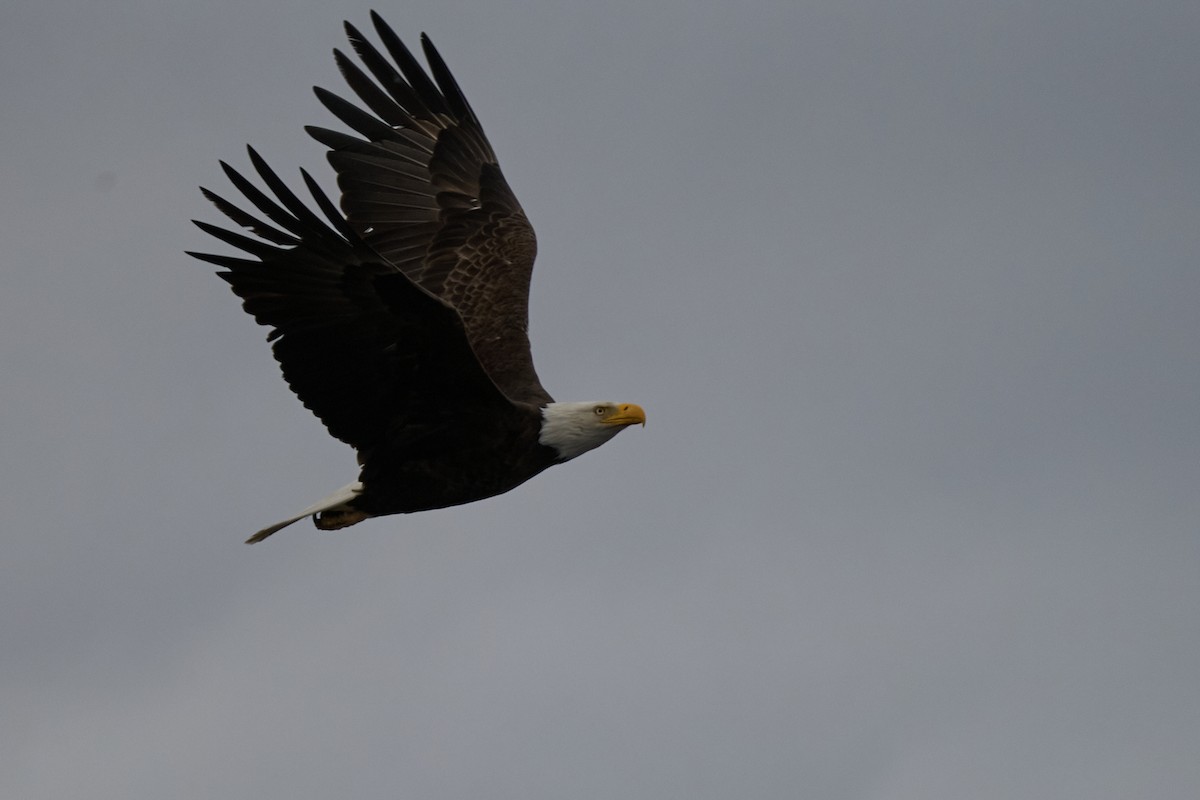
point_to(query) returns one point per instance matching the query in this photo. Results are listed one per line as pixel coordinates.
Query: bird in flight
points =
(401, 320)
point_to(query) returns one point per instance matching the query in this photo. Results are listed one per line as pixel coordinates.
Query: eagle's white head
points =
(574, 428)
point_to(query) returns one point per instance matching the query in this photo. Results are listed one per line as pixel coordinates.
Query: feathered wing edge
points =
(424, 189)
(370, 352)
(364, 348)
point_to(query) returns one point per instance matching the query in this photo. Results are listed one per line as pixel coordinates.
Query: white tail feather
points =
(342, 495)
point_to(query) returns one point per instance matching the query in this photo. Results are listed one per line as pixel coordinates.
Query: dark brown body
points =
(455, 465)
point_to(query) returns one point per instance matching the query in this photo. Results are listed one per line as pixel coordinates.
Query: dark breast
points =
(451, 463)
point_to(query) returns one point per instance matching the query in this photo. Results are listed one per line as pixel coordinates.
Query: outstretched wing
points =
(425, 192)
(377, 358)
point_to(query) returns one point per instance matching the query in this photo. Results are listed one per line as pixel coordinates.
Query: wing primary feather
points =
(249, 221)
(251, 246)
(275, 212)
(375, 98)
(334, 140)
(410, 67)
(228, 262)
(327, 207)
(450, 88)
(354, 116)
(303, 214)
(389, 79)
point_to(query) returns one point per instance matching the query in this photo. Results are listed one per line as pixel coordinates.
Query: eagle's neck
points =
(571, 429)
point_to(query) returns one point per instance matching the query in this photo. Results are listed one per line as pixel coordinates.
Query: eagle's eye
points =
(600, 411)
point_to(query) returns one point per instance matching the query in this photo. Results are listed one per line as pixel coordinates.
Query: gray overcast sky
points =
(908, 290)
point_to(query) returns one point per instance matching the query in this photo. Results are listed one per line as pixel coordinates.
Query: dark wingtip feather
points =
(446, 82)
(334, 140)
(328, 208)
(418, 79)
(252, 246)
(227, 263)
(266, 205)
(248, 221)
(353, 116)
(377, 100)
(353, 34)
(302, 213)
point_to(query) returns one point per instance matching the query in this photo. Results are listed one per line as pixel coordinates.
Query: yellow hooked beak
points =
(626, 414)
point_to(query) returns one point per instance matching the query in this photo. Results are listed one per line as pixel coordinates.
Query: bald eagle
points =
(401, 321)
